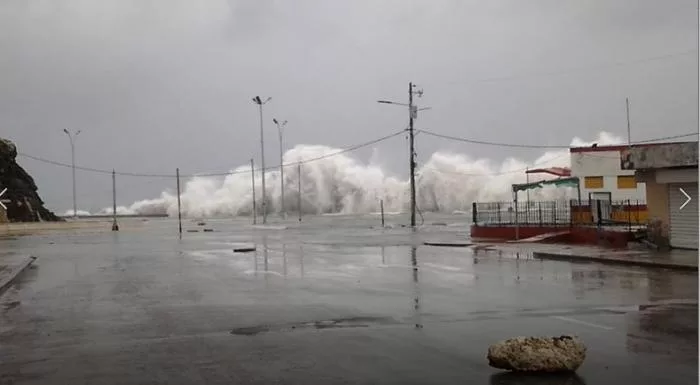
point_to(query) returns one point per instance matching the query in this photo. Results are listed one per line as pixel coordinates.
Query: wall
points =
(657, 204)
(607, 165)
(657, 207)
(567, 235)
(666, 155)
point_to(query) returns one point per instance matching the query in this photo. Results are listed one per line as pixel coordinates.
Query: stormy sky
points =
(159, 84)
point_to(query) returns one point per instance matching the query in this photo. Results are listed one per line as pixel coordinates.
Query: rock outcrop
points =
(538, 354)
(24, 204)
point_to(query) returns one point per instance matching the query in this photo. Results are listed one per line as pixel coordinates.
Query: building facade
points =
(669, 172)
(602, 177)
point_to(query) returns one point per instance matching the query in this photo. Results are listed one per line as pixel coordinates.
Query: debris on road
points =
(538, 354)
(201, 223)
(448, 244)
(243, 249)
(208, 230)
(192, 231)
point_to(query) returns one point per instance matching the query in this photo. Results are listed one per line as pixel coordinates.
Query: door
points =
(604, 201)
(683, 226)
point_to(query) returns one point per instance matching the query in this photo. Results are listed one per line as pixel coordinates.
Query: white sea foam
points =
(341, 184)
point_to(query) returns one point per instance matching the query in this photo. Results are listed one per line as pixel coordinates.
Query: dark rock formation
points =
(24, 204)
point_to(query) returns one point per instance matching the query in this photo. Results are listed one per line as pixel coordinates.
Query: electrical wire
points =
(134, 174)
(558, 147)
(498, 173)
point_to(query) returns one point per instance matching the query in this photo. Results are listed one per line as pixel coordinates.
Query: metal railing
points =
(561, 213)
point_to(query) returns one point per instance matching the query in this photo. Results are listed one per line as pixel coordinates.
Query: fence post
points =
(554, 213)
(474, 213)
(571, 213)
(629, 215)
(539, 209)
(498, 212)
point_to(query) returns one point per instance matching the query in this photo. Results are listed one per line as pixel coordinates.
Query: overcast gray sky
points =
(159, 84)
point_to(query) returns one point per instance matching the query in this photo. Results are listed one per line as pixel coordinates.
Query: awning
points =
(561, 182)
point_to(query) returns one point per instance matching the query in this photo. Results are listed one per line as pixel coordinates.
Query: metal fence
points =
(560, 213)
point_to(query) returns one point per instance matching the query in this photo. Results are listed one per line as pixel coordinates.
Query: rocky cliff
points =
(24, 204)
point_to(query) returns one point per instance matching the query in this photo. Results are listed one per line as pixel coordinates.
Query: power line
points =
(498, 173)
(559, 147)
(473, 141)
(146, 175)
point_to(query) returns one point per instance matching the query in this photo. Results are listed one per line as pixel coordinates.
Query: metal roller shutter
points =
(683, 229)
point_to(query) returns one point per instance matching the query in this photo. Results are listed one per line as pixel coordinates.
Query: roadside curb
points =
(614, 261)
(7, 281)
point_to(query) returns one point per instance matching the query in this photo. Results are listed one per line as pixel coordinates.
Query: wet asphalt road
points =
(328, 303)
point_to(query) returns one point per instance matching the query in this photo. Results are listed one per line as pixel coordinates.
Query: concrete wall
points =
(660, 156)
(657, 204)
(607, 165)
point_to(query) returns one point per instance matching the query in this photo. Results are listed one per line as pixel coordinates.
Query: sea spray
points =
(446, 182)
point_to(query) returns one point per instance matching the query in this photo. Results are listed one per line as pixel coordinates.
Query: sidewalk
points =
(674, 259)
(12, 265)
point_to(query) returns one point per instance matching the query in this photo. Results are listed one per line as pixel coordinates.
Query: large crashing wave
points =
(446, 182)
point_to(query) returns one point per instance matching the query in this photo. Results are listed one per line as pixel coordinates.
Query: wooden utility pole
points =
(299, 188)
(629, 131)
(381, 208)
(412, 162)
(252, 181)
(179, 206)
(115, 225)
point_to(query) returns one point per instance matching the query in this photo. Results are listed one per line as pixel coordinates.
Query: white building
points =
(602, 177)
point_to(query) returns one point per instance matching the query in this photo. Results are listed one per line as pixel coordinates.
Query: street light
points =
(72, 155)
(280, 126)
(260, 103)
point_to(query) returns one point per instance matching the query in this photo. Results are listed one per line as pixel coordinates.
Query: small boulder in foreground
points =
(538, 354)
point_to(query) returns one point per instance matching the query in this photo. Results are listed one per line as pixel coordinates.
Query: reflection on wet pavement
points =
(536, 379)
(351, 305)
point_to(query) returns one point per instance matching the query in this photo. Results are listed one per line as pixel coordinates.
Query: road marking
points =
(573, 320)
(688, 198)
(2, 204)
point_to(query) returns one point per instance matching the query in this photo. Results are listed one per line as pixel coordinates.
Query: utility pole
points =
(252, 181)
(280, 126)
(299, 188)
(179, 211)
(412, 162)
(381, 209)
(72, 156)
(629, 131)
(115, 225)
(260, 104)
(412, 114)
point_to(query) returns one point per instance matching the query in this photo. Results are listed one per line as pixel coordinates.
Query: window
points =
(626, 181)
(593, 182)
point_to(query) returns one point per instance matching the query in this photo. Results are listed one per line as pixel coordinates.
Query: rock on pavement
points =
(538, 354)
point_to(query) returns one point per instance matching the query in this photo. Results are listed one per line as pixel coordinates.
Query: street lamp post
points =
(280, 126)
(72, 155)
(260, 104)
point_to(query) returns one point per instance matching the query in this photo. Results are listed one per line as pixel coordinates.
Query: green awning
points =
(561, 182)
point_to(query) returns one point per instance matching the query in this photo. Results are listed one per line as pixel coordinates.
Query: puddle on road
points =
(338, 323)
